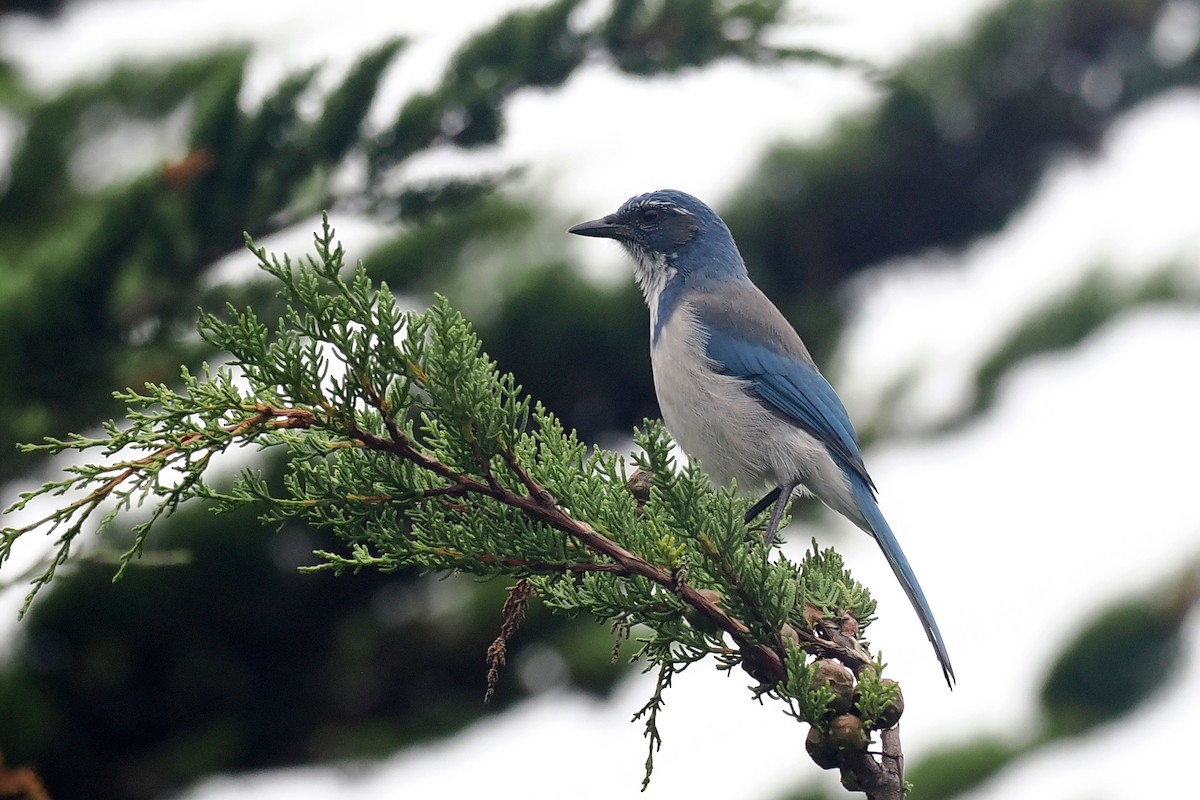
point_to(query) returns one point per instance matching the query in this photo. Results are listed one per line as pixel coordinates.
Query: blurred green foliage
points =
(232, 660)
(959, 768)
(1114, 663)
(99, 285)
(1119, 659)
(1085, 309)
(958, 142)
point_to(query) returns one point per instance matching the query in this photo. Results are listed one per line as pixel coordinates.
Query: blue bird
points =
(737, 387)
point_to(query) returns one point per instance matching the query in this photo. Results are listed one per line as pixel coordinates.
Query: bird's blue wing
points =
(766, 353)
(781, 374)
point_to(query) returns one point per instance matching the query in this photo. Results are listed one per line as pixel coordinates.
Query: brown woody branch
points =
(879, 779)
(275, 418)
(554, 567)
(540, 505)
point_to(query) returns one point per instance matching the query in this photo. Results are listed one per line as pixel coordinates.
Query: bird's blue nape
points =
(737, 387)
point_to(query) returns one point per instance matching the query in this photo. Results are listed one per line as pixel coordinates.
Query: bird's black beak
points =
(603, 228)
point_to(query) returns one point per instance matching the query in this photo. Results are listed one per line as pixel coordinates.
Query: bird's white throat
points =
(653, 273)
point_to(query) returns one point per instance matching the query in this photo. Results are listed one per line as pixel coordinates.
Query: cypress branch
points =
(406, 440)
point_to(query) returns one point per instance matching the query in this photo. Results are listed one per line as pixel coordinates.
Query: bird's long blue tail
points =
(904, 573)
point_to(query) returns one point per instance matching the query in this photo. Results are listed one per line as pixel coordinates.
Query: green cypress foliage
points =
(404, 438)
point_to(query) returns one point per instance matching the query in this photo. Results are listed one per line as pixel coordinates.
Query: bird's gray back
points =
(742, 310)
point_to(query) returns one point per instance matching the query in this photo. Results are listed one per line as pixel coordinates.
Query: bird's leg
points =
(785, 494)
(762, 505)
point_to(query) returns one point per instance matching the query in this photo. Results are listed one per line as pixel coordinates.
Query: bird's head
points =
(670, 233)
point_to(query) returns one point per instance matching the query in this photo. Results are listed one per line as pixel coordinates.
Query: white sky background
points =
(1074, 488)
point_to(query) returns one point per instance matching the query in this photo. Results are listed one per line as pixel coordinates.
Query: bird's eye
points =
(651, 215)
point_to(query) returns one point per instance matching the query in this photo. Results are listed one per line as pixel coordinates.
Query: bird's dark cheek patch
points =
(683, 229)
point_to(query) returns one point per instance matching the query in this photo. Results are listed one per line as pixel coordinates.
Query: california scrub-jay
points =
(737, 388)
